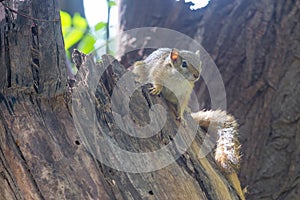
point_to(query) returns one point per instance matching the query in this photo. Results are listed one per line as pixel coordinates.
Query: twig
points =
(26, 16)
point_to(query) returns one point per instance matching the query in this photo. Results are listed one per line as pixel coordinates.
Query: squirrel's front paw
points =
(156, 89)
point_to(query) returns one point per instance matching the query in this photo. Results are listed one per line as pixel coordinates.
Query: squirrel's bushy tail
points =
(227, 153)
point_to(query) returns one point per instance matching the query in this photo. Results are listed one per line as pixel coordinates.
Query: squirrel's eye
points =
(184, 64)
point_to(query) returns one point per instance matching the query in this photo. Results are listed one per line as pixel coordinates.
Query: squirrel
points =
(173, 73)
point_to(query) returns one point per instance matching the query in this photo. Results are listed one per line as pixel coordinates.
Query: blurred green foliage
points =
(75, 30)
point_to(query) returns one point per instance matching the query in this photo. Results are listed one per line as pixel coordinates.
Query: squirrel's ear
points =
(197, 52)
(174, 54)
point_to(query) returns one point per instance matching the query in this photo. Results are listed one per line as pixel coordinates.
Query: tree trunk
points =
(257, 52)
(72, 7)
(41, 157)
(49, 152)
(255, 45)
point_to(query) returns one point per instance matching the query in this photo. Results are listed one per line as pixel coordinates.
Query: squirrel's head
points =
(187, 63)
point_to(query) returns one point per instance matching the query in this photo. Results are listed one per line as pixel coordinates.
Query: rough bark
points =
(255, 45)
(42, 155)
(190, 177)
(257, 51)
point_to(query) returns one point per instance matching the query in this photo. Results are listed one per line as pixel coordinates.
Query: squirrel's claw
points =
(182, 121)
(155, 90)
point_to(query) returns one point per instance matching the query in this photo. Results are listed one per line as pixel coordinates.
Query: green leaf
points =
(79, 22)
(86, 45)
(73, 34)
(111, 3)
(73, 37)
(66, 22)
(100, 25)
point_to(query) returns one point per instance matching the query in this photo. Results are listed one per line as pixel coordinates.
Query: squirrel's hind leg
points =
(180, 108)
